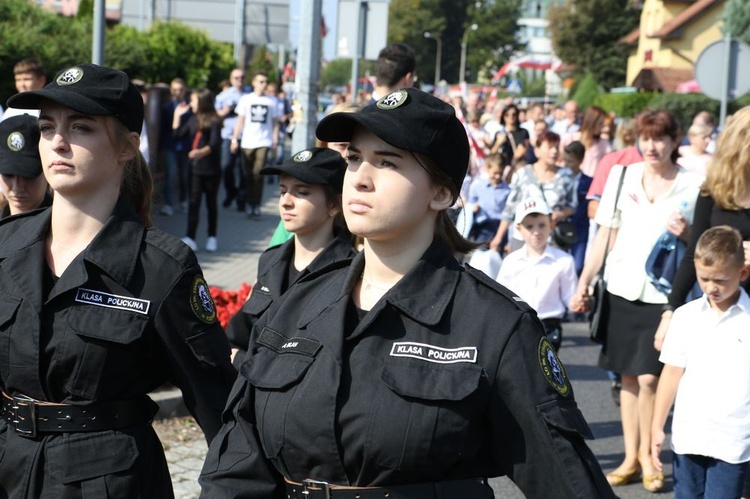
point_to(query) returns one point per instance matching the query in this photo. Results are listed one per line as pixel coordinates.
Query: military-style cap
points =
(531, 206)
(19, 147)
(411, 120)
(318, 165)
(90, 89)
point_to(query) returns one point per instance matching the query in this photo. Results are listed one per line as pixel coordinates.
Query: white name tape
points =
(101, 299)
(431, 353)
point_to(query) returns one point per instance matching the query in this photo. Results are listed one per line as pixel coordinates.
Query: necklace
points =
(368, 284)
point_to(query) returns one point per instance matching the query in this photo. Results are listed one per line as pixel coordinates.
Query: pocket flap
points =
(566, 417)
(8, 307)
(274, 371)
(210, 346)
(107, 324)
(258, 302)
(432, 382)
(80, 457)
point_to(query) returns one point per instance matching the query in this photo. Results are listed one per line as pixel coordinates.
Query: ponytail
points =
(137, 186)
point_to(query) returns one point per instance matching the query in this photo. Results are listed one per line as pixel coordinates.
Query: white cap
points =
(529, 206)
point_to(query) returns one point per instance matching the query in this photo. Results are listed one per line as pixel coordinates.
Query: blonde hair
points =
(720, 245)
(728, 174)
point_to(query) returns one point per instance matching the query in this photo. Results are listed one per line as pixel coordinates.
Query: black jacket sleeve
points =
(685, 278)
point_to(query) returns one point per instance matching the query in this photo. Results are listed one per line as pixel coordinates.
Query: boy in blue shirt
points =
(488, 194)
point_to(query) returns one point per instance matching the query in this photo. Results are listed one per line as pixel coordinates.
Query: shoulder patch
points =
(552, 368)
(201, 301)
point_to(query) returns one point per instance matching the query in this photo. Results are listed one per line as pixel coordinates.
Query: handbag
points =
(664, 260)
(564, 234)
(598, 313)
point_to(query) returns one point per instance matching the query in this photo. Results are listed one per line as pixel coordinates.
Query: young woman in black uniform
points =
(97, 308)
(400, 373)
(310, 208)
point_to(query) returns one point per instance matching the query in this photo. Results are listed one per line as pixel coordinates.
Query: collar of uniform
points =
(115, 248)
(31, 227)
(282, 253)
(425, 292)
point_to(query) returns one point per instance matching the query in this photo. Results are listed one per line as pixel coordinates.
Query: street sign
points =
(711, 65)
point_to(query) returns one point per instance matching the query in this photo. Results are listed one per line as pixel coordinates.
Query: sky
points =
(330, 8)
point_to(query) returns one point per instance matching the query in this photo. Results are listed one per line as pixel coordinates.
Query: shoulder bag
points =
(598, 313)
(564, 234)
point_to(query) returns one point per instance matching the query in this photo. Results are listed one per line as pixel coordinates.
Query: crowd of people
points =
(361, 363)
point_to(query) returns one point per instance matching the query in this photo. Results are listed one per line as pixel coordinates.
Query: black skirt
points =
(629, 347)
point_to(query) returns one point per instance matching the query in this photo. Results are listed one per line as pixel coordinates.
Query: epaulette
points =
(170, 246)
(498, 288)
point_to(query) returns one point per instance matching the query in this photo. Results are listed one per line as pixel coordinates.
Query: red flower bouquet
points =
(229, 302)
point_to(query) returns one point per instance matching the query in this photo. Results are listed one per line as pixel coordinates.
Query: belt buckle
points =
(309, 485)
(21, 416)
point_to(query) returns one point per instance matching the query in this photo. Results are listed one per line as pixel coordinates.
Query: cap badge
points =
(16, 141)
(70, 76)
(392, 100)
(302, 157)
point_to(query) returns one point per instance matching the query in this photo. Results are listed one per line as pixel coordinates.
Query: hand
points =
(495, 243)
(746, 245)
(661, 331)
(197, 153)
(558, 215)
(657, 440)
(678, 225)
(182, 108)
(233, 147)
(581, 301)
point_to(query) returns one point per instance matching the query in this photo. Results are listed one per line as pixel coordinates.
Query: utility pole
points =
(308, 74)
(97, 45)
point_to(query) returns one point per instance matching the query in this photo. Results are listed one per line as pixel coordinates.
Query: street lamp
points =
(462, 74)
(427, 34)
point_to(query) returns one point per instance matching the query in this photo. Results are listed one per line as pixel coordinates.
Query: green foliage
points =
(535, 87)
(85, 9)
(262, 60)
(624, 105)
(736, 19)
(492, 42)
(585, 33)
(586, 90)
(338, 73)
(685, 106)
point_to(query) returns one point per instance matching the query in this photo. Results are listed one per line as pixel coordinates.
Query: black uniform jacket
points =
(273, 271)
(211, 163)
(449, 376)
(127, 315)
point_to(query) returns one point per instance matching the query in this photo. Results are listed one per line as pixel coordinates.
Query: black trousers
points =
(199, 185)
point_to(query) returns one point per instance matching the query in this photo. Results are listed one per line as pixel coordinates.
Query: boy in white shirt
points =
(542, 275)
(706, 356)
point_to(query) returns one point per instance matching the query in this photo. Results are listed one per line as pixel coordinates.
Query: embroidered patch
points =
(431, 353)
(201, 302)
(16, 141)
(392, 100)
(281, 344)
(70, 76)
(552, 367)
(101, 299)
(302, 156)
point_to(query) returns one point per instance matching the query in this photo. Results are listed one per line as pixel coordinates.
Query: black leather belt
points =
(466, 489)
(29, 417)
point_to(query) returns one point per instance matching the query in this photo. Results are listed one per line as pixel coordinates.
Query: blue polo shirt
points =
(490, 198)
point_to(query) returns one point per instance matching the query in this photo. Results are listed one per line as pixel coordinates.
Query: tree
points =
(736, 19)
(488, 46)
(585, 33)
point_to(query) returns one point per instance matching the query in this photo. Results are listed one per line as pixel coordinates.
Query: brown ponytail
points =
(137, 185)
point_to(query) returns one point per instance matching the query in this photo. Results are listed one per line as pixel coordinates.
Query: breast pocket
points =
(103, 347)
(424, 416)
(275, 377)
(8, 308)
(258, 302)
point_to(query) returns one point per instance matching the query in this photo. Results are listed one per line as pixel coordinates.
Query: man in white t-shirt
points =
(258, 123)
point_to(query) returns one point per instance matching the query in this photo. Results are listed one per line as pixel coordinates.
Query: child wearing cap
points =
(98, 308)
(21, 179)
(400, 372)
(706, 375)
(310, 209)
(542, 275)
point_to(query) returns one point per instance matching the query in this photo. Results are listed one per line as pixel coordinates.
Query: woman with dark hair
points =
(203, 127)
(543, 180)
(594, 120)
(98, 308)
(310, 210)
(512, 141)
(390, 375)
(656, 195)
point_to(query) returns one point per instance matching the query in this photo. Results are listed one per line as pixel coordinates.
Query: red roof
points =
(661, 79)
(684, 17)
